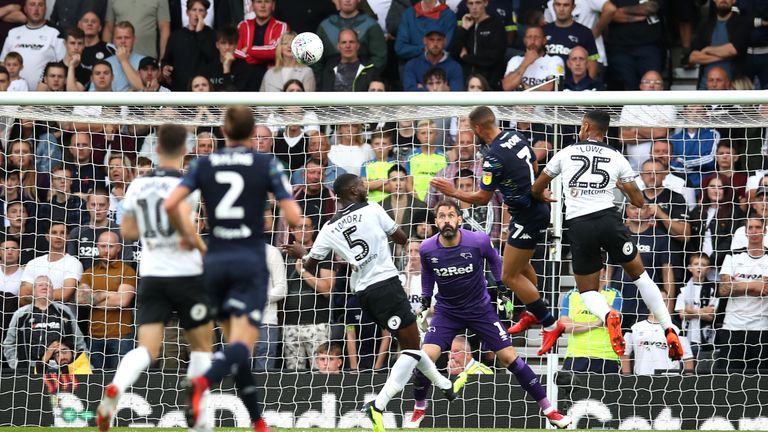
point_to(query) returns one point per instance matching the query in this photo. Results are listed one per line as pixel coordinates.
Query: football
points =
(307, 48)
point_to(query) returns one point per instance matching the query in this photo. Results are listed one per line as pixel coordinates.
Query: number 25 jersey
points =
(590, 170)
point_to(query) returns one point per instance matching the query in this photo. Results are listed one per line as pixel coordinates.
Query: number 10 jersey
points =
(590, 170)
(360, 234)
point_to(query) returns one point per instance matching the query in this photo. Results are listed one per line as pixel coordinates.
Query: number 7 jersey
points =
(590, 170)
(360, 234)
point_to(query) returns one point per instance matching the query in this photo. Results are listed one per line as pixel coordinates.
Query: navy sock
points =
(540, 309)
(229, 361)
(530, 382)
(421, 385)
(246, 389)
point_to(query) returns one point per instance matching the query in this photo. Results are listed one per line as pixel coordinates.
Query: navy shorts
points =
(482, 321)
(528, 227)
(237, 286)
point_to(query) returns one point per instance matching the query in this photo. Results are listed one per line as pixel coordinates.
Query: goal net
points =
(701, 158)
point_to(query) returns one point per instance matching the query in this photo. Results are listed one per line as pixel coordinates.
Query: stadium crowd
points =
(701, 236)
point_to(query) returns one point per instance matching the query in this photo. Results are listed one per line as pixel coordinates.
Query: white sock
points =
(398, 378)
(199, 363)
(596, 303)
(651, 295)
(131, 366)
(428, 368)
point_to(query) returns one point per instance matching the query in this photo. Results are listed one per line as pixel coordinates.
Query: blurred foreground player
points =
(234, 183)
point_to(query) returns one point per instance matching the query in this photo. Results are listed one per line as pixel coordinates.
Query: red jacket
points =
(257, 54)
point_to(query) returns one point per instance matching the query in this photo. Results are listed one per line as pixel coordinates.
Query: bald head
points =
(717, 79)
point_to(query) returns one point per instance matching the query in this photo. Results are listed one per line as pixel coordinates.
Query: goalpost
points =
(123, 124)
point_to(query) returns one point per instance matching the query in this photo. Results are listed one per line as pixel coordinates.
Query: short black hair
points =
(448, 203)
(52, 65)
(600, 119)
(171, 139)
(102, 63)
(396, 168)
(435, 72)
(343, 183)
(205, 3)
(227, 34)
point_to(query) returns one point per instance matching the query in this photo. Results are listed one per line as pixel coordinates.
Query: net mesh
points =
(102, 149)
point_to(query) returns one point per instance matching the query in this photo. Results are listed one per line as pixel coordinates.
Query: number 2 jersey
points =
(508, 168)
(161, 255)
(590, 170)
(360, 234)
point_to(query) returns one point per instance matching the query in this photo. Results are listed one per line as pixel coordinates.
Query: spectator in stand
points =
(36, 326)
(757, 51)
(102, 77)
(375, 170)
(306, 310)
(725, 169)
(81, 242)
(66, 13)
(14, 63)
(595, 15)
(62, 206)
(661, 151)
(290, 146)
(477, 83)
(721, 42)
(11, 16)
(565, 33)
(758, 207)
(54, 77)
(63, 269)
(151, 18)
(266, 354)
(34, 183)
(328, 358)
(636, 43)
(434, 56)
(258, 41)
(427, 160)
(205, 142)
(349, 72)
(229, 73)
(37, 42)
(742, 337)
(576, 76)
(461, 360)
(189, 48)
(287, 68)
(505, 10)
(304, 15)
(696, 305)
(77, 76)
(372, 44)
(5, 79)
(109, 288)
(714, 222)
(318, 148)
(654, 250)
(10, 270)
(95, 49)
(121, 174)
(415, 24)
(637, 139)
(646, 340)
(535, 67)
(149, 73)
(350, 151)
(315, 199)
(480, 42)
(125, 62)
(402, 205)
(21, 229)
(589, 346)
(466, 150)
(79, 159)
(693, 149)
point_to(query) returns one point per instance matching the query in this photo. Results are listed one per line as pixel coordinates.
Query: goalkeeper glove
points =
(503, 301)
(426, 302)
(421, 317)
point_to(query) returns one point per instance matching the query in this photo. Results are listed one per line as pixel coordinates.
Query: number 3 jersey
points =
(590, 170)
(160, 252)
(360, 234)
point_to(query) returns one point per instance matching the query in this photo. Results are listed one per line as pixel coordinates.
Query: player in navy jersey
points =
(455, 259)
(234, 183)
(509, 166)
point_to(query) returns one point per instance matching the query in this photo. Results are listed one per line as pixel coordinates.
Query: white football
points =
(307, 48)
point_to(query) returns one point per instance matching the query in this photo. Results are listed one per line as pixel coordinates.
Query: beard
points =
(723, 10)
(448, 231)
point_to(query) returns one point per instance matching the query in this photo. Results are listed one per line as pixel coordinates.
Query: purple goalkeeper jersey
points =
(459, 271)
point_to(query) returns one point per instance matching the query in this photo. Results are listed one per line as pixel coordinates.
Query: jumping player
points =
(171, 277)
(358, 233)
(455, 258)
(592, 171)
(234, 183)
(509, 166)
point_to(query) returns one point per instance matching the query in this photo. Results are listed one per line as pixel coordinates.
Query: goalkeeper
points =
(455, 258)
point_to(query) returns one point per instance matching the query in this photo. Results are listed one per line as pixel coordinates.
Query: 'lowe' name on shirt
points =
(245, 159)
(453, 270)
(591, 149)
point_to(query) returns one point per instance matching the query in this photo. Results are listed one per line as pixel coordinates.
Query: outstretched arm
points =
(446, 187)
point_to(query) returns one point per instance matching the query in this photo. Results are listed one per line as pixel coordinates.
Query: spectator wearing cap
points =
(349, 72)
(125, 62)
(417, 22)
(259, 39)
(373, 46)
(149, 72)
(434, 56)
(189, 48)
(535, 68)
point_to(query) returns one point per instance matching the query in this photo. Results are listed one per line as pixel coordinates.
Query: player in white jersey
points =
(171, 275)
(591, 171)
(360, 232)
